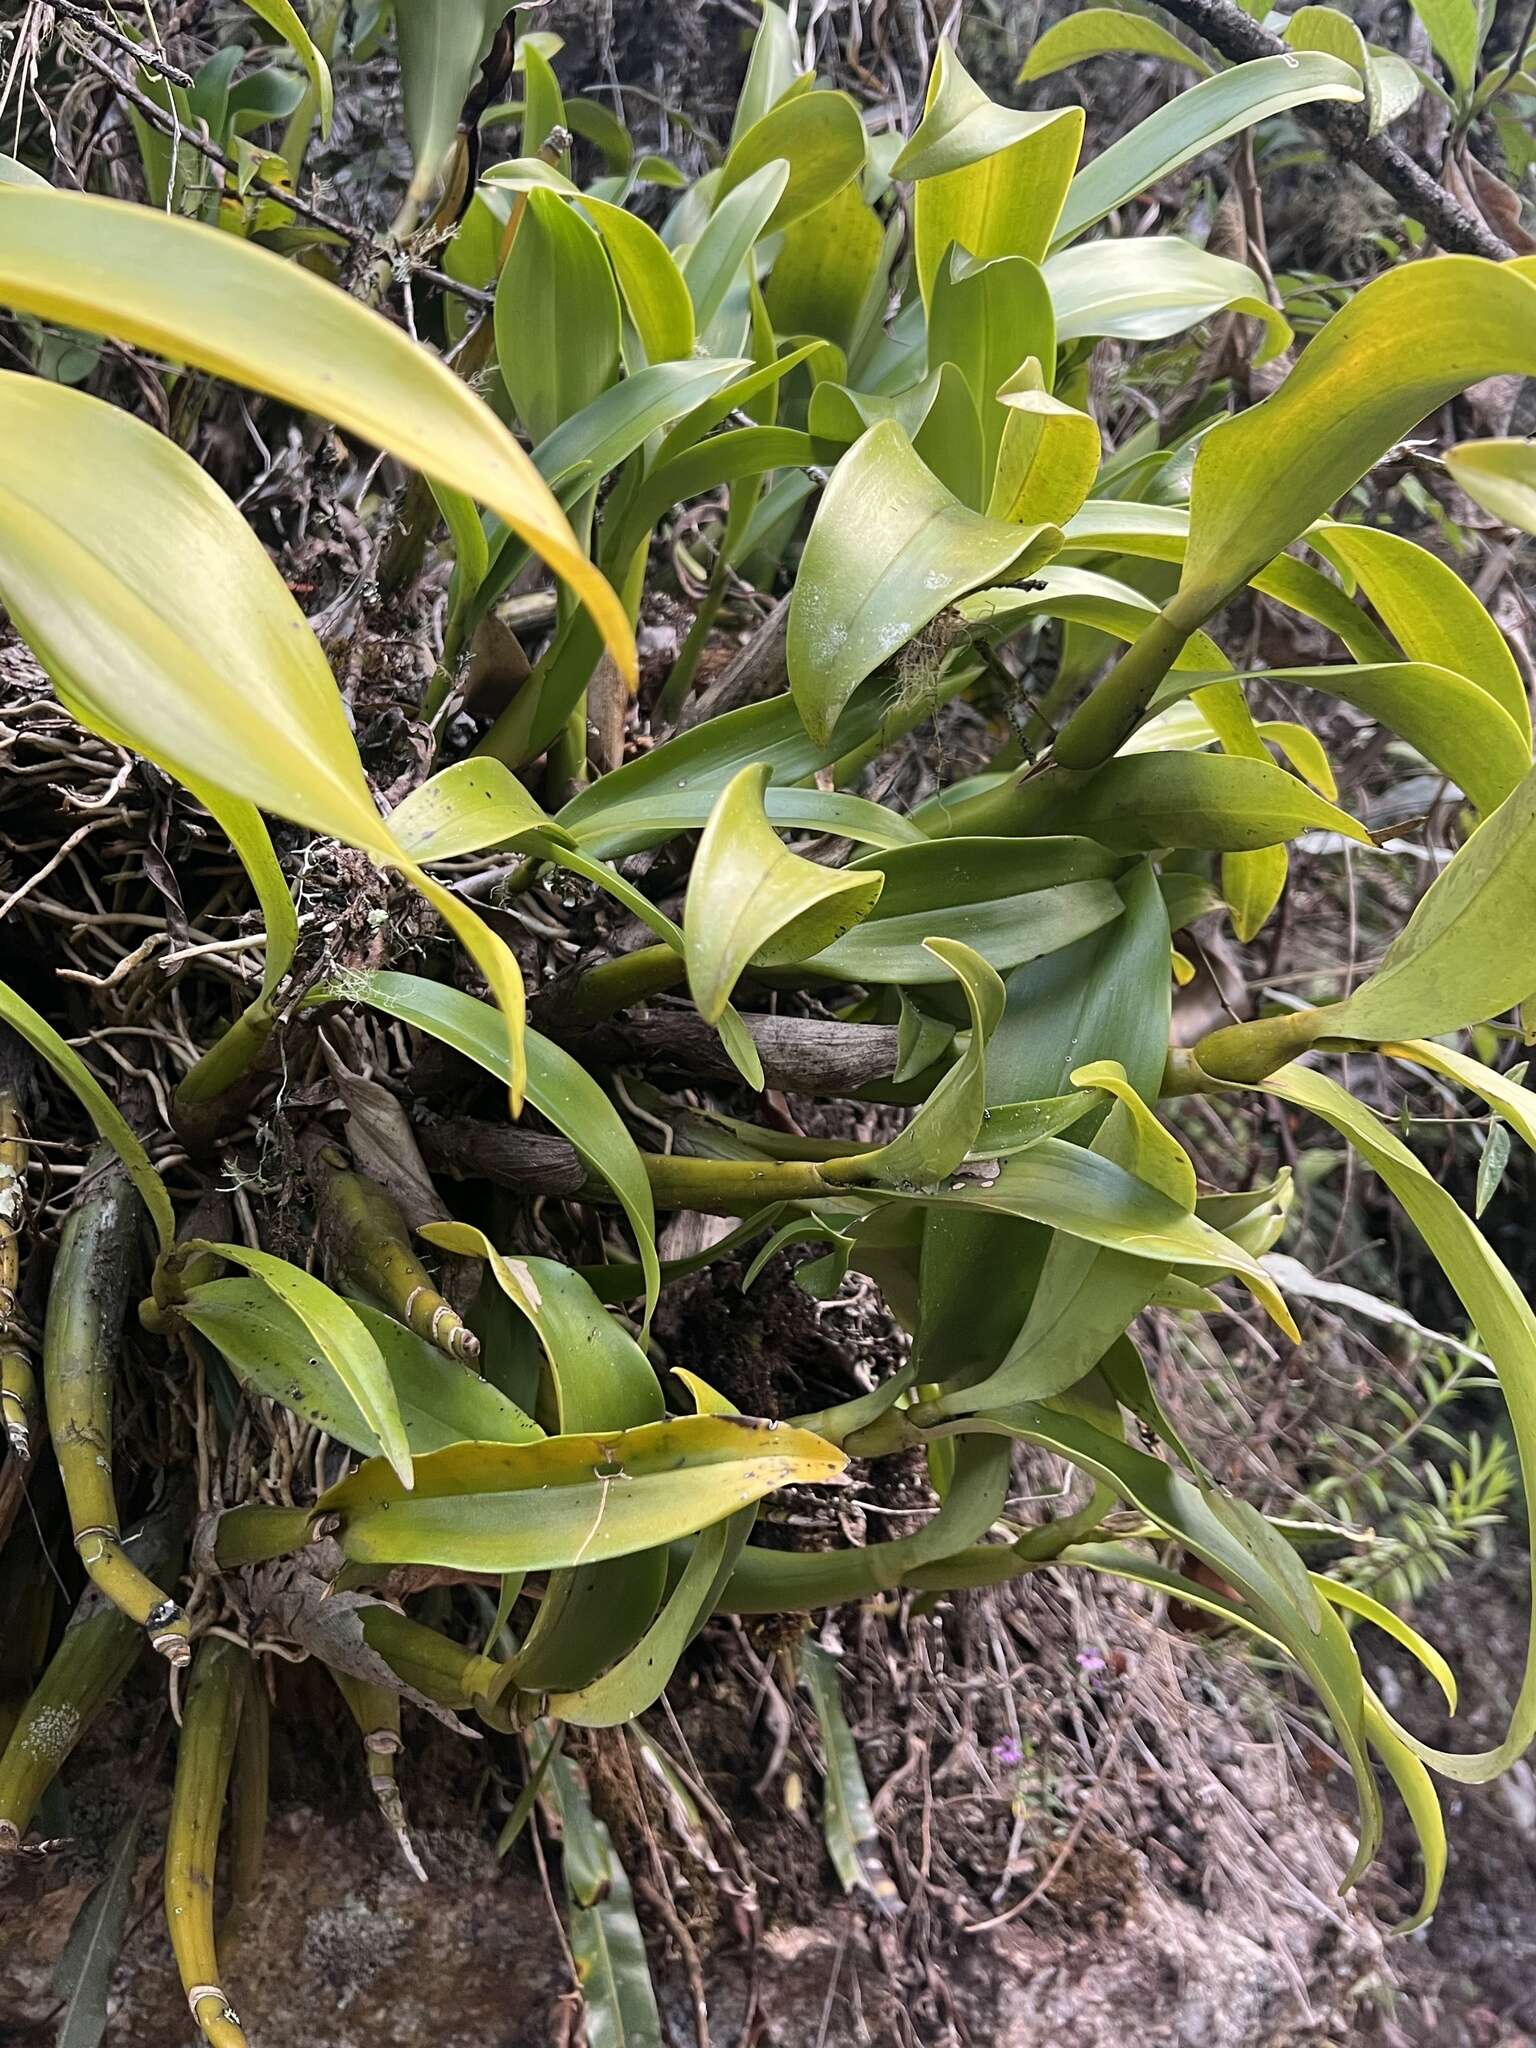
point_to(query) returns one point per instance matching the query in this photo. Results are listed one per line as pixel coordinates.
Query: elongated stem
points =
(97, 1651)
(87, 1304)
(1248, 1052)
(249, 1799)
(1111, 712)
(13, 1180)
(729, 1187)
(18, 1383)
(370, 1241)
(431, 1663)
(614, 984)
(228, 1060)
(255, 1534)
(210, 1724)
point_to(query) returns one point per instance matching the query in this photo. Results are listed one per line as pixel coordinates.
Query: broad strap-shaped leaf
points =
(572, 1500)
(165, 628)
(1468, 951)
(821, 138)
(1196, 121)
(441, 44)
(285, 18)
(941, 1135)
(1145, 287)
(1011, 899)
(989, 178)
(828, 273)
(888, 550)
(1104, 31)
(215, 301)
(348, 1345)
(649, 280)
(557, 316)
(1217, 802)
(1499, 475)
(272, 1352)
(1498, 1311)
(1428, 610)
(558, 1087)
(751, 899)
(713, 265)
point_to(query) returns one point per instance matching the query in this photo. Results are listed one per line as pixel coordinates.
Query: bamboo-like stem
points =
(1111, 712)
(730, 1187)
(87, 1304)
(614, 985)
(370, 1242)
(255, 1534)
(96, 1652)
(249, 1795)
(430, 1663)
(18, 1383)
(215, 1700)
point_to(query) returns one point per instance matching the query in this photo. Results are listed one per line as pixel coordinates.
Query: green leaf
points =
(644, 820)
(821, 138)
(619, 2007)
(215, 301)
(1456, 28)
(610, 429)
(1010, 899)
(1465, 953)
(558, 1087)
(466, 806)
(1497, 1310)
(1146, 287)
(1260, 479)
(772, 69)
(1048, 456)
(557, 316)
(442, 44)
(1099, 32)
(271, 1350)
(1500, 476)
(888, 550)
(1502, 1092)
(543, 102)
(14, 173)
(988, 319)
(166, 628)
(1453, 722)
(1196, 121)
(111, 1126)
(572, 1500)
(654, 292)
(284, 17)
(988, 177)
(1217, 802)
(1008, 1127)
(344, 1339)
(830, 263)
(751, 899)
(714, 262)
(1429, 611)
(82, 1976)
(944, 1129)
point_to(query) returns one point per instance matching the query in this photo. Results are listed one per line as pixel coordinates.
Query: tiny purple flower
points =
(1090, 1660)
(1008, 1752)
